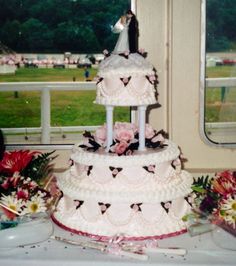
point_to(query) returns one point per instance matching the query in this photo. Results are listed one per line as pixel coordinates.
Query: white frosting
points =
(132, 176)
(118, 192)
(150, 156)
(118, 65)
(132, 185)
(119, 218)
(112, 91)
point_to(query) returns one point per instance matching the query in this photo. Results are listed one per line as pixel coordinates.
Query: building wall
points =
(170, 31)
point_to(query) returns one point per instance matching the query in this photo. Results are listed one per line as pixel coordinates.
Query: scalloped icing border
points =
(168, 192)
(118, 65)
(106, 238)
(169, 153)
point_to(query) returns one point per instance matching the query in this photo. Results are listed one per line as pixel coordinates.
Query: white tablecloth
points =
(201, 250)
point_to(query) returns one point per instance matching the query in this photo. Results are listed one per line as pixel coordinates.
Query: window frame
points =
(202, 90)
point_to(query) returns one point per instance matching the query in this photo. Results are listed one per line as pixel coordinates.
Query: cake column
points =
(142, 123)
(109, 120)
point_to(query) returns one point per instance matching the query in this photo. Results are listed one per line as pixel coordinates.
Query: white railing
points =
(220, 82)
(45, 88)
(226, 130)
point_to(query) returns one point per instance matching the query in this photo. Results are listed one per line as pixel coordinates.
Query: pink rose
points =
(121, 147)
(159, 137)
(105, 52)
(141, 51)
(151, 168)
(125, 80)
(103, 208)
(135, 207)
(124, 135)
(101, 135)
(177, 162)
(152, 78)
(167, 205)
(124, 131)
(149, 131)
(115, 172)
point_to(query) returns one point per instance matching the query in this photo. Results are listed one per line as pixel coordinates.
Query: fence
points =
(221, 132)
(46, 87)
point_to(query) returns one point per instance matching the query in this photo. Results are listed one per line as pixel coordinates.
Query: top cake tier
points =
(126, 80)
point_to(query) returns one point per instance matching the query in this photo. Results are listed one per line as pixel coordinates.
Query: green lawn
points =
(220, 102)
(221, 71)
(77, 108)
(47, 74)
(68, 108)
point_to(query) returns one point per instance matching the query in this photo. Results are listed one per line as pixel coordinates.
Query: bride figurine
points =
(127, 27)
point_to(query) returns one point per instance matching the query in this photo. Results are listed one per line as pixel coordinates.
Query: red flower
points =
(16, 161)
(22, 194)
(5, 184)
(224, 183)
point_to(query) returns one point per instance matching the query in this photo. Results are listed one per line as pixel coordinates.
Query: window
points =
(220, 72)
(49, 54)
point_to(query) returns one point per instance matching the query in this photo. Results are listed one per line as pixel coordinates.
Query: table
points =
(201, 249)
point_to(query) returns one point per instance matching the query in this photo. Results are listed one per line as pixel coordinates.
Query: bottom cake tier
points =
(134, 220)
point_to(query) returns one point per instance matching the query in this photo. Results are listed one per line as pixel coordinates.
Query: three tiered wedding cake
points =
(126, 179)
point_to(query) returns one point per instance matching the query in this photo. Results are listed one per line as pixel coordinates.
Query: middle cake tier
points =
(150, 176)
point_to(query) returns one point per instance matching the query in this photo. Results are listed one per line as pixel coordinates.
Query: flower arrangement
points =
(216, 198)
(22, 177)
(125, 138)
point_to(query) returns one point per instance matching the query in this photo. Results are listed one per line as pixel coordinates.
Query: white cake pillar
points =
(109, 121)
(142, 124)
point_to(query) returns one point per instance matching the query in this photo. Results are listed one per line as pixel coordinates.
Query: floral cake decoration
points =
(125, 139)
(22, 178)
(215, 198)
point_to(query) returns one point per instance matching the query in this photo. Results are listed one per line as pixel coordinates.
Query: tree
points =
(10, 33)
(36, 36)
(59, 25)
(221, 21)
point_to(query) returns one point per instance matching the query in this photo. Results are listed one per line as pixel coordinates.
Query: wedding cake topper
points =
(127, 27)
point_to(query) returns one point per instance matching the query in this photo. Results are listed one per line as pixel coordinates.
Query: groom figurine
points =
(132, 32)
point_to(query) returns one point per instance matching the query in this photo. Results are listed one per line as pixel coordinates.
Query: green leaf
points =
(203, 181)
(198, 189)
(40, 167)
